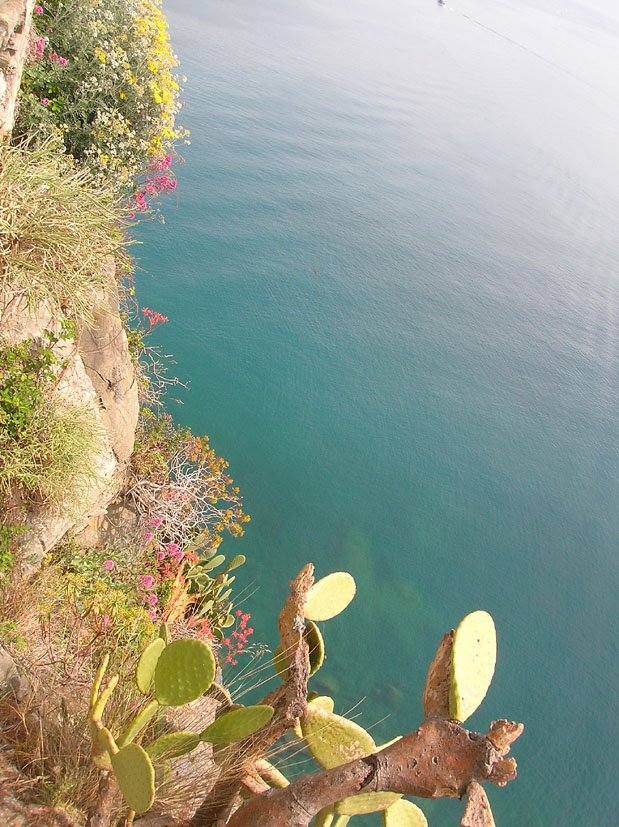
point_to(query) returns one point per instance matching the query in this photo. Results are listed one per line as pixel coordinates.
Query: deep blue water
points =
(392, 279)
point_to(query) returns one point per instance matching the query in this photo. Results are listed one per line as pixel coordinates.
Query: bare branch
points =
(477, 812)
(436, 691)
(439, 759)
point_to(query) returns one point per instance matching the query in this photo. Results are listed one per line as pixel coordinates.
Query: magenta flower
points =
(62, 61)
(45, 101)
(148, 536)
(131, 216)
(53, 56)
(171, 548)
(109, 564)
(157, 522)
(161, 555)
(38, 9)
(145, 581)
(152, 614)
(152, 599)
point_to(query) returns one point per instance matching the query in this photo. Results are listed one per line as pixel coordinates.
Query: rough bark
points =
(438, 759)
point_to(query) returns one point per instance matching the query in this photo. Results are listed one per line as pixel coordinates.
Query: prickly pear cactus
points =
(184, 671)
(173, 744)
(330, 596)
(147, 664)
(138, 723)
(333, 740)
(358, 805)
(136, 777)
(237, 724)
(404, 814)
(219, 693)
(473, 657)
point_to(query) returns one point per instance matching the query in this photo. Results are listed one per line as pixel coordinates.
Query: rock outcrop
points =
(96, 372)
(15, 18)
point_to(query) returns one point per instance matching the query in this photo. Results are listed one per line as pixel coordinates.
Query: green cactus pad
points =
(173, 744)
(330, 596)
(147, 665)
(136, 777)
(404, 814)
(341, 821)
(184, 671)
(473, 657)
(138, 723)
(219, 693)
(164, 632)
(333, 740)
(324, 702)
(280, 662)
(316, 646)
(324, 818)
(237, 724)
(358, 805)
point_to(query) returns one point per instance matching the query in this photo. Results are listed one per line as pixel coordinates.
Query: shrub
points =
(56, 228)
(102, 73)
(53, 457)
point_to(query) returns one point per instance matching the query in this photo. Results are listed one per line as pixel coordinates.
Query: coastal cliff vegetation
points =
(132, 581)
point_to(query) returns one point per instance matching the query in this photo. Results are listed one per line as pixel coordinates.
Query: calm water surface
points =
(392, 280)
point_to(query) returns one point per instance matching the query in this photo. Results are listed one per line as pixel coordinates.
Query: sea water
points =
(391, 274)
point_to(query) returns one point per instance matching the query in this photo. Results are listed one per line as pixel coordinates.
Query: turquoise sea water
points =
(392, 280)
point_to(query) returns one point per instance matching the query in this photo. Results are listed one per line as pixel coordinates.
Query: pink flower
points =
(148, 536)
(109, 564)
(145, 581)
(45, 101)
(157, 522)
(38, 9)
(53, 56)
(131, 216)
(171, 548)
(152, 614)
(161, 555)
(152, 599)
(62, 61)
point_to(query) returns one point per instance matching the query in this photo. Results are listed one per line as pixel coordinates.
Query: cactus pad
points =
(138, 723)
(136, 777)
(219, 693)
(404, 814)
(237, 724)
(330, 596)
(358, 805)
(184, 671)
(473, 657)
(173, 744)
(147, 665)
(333, 740)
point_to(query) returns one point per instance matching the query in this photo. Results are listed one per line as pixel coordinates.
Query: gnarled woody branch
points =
(438, 759)
(289, 702)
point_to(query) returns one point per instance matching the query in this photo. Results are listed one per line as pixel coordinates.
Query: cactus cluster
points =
(176, 673)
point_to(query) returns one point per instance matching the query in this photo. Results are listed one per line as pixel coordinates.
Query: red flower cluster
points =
(154, 318)
(237, 640)
(204, 628)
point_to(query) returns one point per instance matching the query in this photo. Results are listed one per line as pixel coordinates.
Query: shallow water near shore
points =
(391, 277)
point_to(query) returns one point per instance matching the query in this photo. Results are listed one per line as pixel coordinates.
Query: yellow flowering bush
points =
(103, 73)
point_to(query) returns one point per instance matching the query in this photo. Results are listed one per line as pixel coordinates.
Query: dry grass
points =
(56, 228)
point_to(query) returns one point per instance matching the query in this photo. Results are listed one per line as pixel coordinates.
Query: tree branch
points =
(438, 759)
